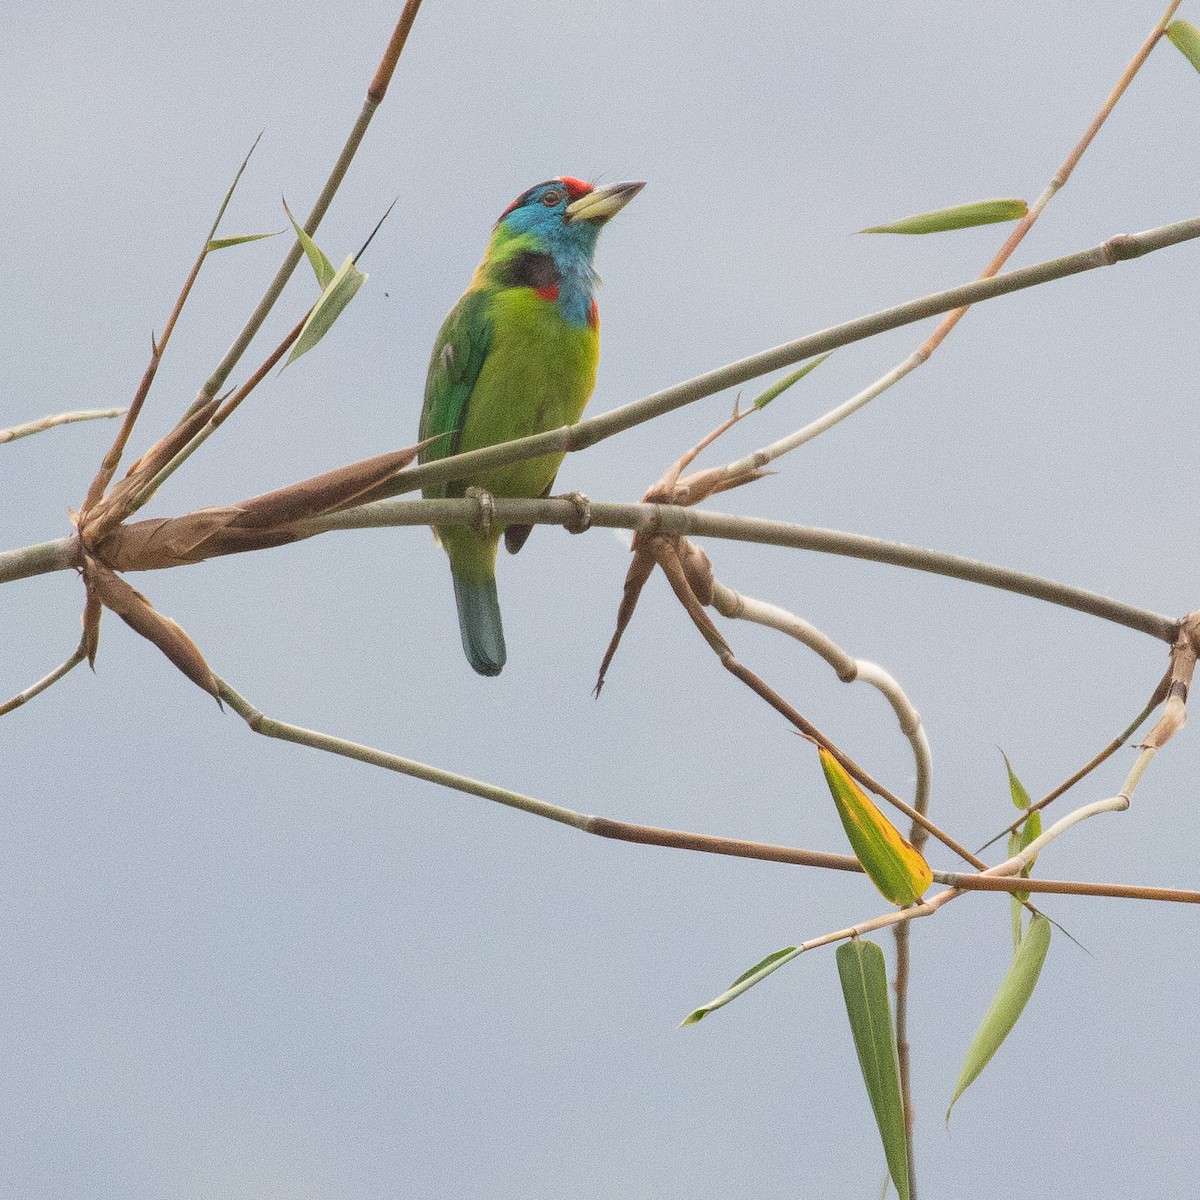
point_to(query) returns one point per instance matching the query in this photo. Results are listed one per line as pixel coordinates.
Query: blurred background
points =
(240, 968)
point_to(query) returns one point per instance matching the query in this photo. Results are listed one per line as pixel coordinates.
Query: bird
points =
(516, 355)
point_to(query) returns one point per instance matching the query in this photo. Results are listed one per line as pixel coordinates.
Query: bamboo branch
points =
(669, 518)
(734, 605)
(374, 97)
(691, 522)
(587, 433)
(60, 555)
(920, 356)
(1122, 738)
(648, 835)
(43, 423)
(46, 681)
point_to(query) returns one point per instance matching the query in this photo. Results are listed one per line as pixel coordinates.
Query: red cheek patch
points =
(547, 293)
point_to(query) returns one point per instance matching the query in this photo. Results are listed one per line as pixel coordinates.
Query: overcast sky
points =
(239, 968)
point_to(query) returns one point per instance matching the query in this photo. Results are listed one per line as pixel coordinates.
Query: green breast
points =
(538, 375)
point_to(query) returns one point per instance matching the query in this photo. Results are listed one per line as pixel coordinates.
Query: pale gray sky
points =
(241, 969)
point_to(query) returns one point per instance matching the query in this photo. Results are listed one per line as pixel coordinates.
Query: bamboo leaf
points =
(1025, 833)
(1029, 832)
(233, 187)
(896, 868)
(1185, 37)
(322, 267)
(961, 216)
(774, 956)
(1016, 910)
(744, 982)
(223, 243)
(865, 990)
(1020, 797)
(781, 385)
(1008, 1004)
(337, 294)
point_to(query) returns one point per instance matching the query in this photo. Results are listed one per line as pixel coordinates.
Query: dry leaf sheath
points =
(686, 566)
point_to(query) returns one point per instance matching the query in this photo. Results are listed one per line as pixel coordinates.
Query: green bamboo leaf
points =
(1030, 829)
(1028, 833)
(1020, 797)
(1008, 1005)
(865, 990)
(223, 243)
(781, 385)
(322, 267)
(961, 216)
(1185, 37)
(766, 962)
(1016, 910)
(233, 187)
(743, 982)
(895, 867)
(339, 292)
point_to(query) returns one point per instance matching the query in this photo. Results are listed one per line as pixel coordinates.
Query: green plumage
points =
(516, 356)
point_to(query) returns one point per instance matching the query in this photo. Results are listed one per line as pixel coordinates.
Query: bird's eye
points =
(552, 197)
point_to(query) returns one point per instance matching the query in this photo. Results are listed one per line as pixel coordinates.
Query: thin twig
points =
(1066, 887)
(158, 347)
(228, 407)
(806, 727)
(1119, 803)
(990, 881)
(733, 605)
(375, 94)
(42, 684)
(42, 423)
(1122, 739)
(648, 835)
(920, 356)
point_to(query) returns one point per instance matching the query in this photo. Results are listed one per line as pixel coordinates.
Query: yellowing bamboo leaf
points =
(961, 216)
(896, 868)
(337, 294)
(865, 990)
(1008, 1005)
(1185, 37)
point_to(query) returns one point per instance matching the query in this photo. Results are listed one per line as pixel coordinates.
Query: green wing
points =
(458, 355)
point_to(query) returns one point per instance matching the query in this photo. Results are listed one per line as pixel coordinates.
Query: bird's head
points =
(565, 215)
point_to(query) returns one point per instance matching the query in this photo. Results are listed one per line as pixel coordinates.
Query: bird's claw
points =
(581, 522)
(485, 519)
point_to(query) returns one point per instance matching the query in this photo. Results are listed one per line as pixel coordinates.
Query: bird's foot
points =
(581, 522)
(485, 519)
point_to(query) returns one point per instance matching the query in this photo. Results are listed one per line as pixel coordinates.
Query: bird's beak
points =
(603, 202)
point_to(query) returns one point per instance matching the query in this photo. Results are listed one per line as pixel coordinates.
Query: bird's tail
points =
(480, 624)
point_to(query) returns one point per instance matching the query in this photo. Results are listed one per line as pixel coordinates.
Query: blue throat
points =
(570, 246)
(577, 284)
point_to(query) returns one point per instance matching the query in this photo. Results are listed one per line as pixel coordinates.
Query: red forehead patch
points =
(575, 187)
